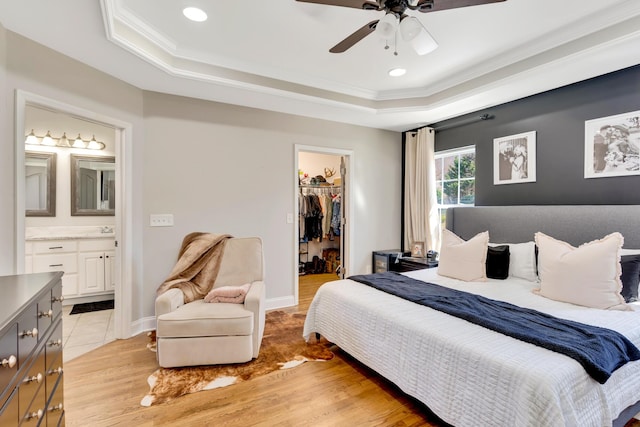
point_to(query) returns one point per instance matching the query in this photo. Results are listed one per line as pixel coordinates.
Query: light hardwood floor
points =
(104, 388)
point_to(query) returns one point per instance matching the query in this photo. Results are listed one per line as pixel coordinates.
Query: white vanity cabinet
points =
(55, 255)
(88, 265)
(97, 263)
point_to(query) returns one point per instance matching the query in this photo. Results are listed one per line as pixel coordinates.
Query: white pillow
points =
(624, 251)
(588, 275)
(522, 260)
(463, 260)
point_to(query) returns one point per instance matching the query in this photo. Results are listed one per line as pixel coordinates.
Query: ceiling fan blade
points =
(355, 37)
(357, 4)
(436, 5)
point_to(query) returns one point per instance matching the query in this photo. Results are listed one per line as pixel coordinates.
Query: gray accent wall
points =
(558, 117)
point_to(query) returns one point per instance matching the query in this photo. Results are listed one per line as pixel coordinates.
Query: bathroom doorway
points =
(37, 112)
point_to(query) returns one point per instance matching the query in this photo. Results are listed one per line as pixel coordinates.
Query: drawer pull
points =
(46, 313)
(54, 408)
(57, 342)
(55, 247)
(58, 371)
(32, 333)
(37, 378)
(57, 299)
(56, 265)
(37, 415)
(10, 362)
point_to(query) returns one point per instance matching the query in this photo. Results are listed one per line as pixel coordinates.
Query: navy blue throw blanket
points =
(599, 350)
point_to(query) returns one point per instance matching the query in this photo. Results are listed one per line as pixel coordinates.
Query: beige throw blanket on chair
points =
(198, 265)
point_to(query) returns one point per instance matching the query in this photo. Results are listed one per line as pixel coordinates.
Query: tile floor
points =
(84, 332)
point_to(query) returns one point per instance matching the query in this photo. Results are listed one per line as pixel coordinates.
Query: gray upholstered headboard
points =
(575, 224)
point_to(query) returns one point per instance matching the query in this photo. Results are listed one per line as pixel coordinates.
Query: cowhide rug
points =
(282, 347)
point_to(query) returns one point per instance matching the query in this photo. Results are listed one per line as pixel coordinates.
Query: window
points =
(455, 179)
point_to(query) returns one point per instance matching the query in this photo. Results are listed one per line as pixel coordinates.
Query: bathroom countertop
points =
(69, 233)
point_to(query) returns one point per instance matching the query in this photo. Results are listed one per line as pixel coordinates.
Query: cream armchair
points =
(200, 333)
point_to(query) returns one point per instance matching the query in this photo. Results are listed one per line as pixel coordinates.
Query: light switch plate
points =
(161, 220)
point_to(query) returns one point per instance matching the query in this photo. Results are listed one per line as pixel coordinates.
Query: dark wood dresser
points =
(31, 377)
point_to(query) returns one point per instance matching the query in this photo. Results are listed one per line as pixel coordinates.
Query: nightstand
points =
(411, 264)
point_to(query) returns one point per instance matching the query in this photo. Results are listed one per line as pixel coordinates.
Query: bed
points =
(472, 376)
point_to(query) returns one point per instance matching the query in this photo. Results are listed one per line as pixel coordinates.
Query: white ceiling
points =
(275, 54)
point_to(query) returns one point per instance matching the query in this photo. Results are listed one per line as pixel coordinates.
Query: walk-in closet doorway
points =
(322, 219)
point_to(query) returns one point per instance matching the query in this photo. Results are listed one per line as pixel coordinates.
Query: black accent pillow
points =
(498, 262)
(630, 277)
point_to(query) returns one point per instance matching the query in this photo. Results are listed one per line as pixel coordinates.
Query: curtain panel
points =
(421, 217)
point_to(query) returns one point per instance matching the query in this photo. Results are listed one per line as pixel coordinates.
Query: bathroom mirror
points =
(40, 183)
(93, 184)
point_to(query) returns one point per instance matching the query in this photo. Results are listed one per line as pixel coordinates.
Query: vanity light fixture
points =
(51, 141)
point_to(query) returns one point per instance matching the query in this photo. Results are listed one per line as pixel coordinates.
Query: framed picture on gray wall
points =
(514, 159)
(612, 146)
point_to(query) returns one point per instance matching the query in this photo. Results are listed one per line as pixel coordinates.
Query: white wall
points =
(227, 169)
(215, 167)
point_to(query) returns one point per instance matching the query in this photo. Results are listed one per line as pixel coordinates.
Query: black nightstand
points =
(386, 260)
(411, 264)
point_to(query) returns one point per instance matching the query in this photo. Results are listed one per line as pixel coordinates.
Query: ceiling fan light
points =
(423, 43)
(410, 27)
(387, 26)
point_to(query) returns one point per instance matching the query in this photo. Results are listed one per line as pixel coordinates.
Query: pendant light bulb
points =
(93, 144)
(31, 139)
(47, 140)
(64, 141)
(79, 143)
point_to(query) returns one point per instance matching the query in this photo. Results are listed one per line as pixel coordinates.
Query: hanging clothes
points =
(335, 217)
(317, 208)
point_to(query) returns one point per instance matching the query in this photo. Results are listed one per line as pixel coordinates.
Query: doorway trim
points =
(123, 216)
(346, 201)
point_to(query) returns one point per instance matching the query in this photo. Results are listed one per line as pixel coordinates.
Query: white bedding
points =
(469, 375)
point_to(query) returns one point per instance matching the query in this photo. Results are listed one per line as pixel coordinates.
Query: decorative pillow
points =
(463, 260)
(228, 294)
(624, 251)
(498, 262)
(522, 260)
(630, 277)
(588, 275)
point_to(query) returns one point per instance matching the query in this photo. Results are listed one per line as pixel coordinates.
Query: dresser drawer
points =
(55, 405)
(32, 382)
(10, 412)
(28, 333)
(35, 413)
(56, 299)
(53, 346)
(8, 355)
(45, 313)
(59, 262)
(55, 246)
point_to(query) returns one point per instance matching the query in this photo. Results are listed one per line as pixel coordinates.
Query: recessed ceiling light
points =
(397, 72)
(194, 14)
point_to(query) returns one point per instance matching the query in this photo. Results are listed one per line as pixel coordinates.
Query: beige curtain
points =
(421, 218)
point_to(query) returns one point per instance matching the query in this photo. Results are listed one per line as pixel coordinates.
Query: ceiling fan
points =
(395, 18)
